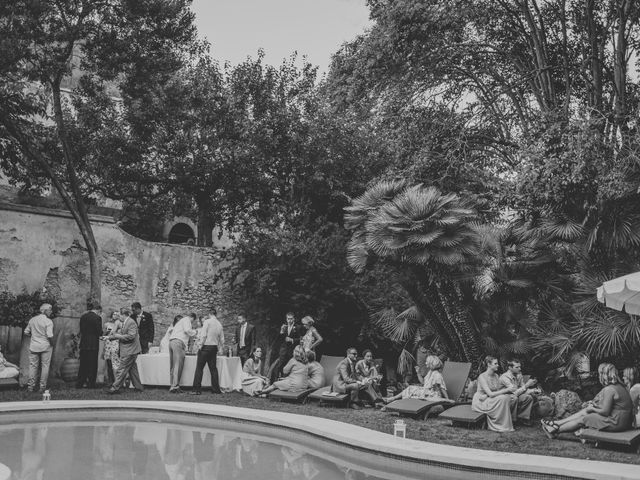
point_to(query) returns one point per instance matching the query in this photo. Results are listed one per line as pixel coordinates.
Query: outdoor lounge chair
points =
(455, 375)
(324, 395)
(630, 438)
(328, 363)
(462, 415)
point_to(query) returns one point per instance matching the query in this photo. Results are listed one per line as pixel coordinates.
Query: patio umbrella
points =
(622, 293)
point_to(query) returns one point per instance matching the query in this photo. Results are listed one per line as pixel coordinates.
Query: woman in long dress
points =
(252, 381)
(492, 399)
(311, 339)
(297, 377)
(611, 410)
(433, 386)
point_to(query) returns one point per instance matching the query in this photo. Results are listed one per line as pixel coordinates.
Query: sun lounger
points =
(324, 395)
(455, 375)
(298, 396)
(630, 438)
(462, 415)
(9, 383)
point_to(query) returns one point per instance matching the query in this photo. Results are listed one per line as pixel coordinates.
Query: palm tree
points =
(430, 239)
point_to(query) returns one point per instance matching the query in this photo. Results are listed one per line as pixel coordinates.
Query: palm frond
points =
(406, 361)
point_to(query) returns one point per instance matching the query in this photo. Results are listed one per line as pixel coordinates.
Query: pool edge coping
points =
(416, 450)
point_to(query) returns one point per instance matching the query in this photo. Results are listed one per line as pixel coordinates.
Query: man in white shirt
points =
(521, 399)
(40, 329)
(178, 342)
(211, 337)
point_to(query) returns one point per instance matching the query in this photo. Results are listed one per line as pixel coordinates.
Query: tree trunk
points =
(205, 227)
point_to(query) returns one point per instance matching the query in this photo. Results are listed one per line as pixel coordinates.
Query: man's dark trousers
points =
(207, 355)
(88, 368)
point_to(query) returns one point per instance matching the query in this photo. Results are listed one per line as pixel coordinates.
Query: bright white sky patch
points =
(236, 29)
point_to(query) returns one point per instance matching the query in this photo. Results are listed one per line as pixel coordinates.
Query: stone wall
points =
(42, 249)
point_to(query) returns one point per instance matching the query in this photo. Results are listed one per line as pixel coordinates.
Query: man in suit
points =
(90, 333)
(129, 351)
(146, 328)
(290, 334)
(345, 381)
(245, 338)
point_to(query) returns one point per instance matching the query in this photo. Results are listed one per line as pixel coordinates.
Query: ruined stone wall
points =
(42, 248)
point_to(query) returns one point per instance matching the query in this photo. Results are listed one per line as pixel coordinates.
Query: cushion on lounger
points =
(294, 396)
(630, 437)
(413, 406)
(325, 394)
(462, 414)
(8, 383)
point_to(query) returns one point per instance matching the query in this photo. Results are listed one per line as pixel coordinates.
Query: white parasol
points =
(622, 293)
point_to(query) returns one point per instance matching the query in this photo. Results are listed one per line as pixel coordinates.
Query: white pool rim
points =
(363, 438)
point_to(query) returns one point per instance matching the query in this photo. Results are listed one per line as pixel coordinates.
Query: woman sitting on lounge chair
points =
(611, 410)
(433, 387)
(367, 373)
(297, 377)
(8, 369)
(252, 381)
(314, 370)
(493, 399)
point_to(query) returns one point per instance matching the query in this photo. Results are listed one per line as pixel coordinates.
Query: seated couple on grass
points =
(611, 410)
(504, 398)
(359, 378)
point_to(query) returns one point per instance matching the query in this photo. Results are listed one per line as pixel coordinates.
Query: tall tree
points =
(130, 47)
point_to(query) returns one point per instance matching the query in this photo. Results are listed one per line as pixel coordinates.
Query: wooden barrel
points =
(69, 369)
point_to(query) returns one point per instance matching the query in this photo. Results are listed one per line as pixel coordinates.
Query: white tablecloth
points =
(154, 370)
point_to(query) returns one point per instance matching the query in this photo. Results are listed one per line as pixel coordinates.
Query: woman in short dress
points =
(433, 386)
(493, 399)
(252, 381)
(297, 376)
(312, 338)
(611, 410)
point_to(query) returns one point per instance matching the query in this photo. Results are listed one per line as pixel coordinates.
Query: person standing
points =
(40, 329)
(129, 351)
(521, 399)
(245, 338)
(178, 341)
(90, 333)
(290, 335)
(211, 337)
(146, 328)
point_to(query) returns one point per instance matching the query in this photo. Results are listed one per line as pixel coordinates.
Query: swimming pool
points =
(176, 440)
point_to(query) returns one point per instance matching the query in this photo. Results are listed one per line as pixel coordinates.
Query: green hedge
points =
(16, 310)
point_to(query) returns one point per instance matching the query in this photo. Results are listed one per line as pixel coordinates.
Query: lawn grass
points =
(523, 440)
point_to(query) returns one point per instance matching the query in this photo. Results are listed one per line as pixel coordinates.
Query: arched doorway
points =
(181, 233)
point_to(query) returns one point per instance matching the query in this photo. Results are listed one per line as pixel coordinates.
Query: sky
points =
(315, 28)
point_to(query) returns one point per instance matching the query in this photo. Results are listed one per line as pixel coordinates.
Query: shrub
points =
(17, 310)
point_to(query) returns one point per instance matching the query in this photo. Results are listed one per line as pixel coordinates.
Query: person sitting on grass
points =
(493, 399)
(433, 385)
(314, 370)
(367, 373)
(611, 410)
(8, 369)
(297, 377)
(252, 380)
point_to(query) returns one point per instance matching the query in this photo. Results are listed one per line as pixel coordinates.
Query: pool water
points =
(151, 450)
